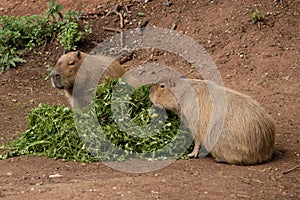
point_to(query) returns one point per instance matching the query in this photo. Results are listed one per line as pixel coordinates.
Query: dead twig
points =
(121, 20)
(259, 25)
(90, 15)
(124, 58)
(116, 11)
(126, 8)
(290, 170)
(174, 26)
(112, 29)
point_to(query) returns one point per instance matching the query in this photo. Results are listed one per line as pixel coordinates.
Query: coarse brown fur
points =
(87, 70)
(248, 133)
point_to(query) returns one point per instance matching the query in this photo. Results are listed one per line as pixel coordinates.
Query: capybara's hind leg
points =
(195, 150)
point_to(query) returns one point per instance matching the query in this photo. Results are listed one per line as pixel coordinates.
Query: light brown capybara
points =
(87, 70)
(247, 132)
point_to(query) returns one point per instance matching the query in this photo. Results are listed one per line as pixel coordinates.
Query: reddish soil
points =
(262, 61)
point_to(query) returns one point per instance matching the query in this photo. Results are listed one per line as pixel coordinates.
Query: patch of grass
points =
(256, 17)
(18, 34)
(128, 126)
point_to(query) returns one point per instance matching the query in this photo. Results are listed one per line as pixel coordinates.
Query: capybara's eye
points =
(162, 86)
(72, 62)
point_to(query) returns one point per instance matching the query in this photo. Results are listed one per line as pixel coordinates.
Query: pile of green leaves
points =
(113, 127)
(18, 34)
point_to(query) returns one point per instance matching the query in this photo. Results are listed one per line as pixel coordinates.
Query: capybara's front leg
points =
(195, 150)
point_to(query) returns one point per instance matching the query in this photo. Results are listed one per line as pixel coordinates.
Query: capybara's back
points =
(248, 134)
(244, 135)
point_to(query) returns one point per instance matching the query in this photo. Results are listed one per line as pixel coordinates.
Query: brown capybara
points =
(87, 70)
(148, 73)
(246, 131)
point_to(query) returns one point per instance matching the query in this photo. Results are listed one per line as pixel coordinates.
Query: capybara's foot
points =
(194, 154)
(195, 151)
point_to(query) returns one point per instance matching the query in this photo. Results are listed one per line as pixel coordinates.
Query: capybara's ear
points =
(72, 62)
(162, 85)
(78, 54)
(172, 83)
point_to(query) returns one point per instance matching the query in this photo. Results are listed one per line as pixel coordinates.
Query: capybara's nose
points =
(54, 74)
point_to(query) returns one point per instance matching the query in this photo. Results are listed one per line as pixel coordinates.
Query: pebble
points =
(286, 78)
(55, 176)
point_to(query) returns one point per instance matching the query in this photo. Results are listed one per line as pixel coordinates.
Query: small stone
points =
(169, 3)
(55, 176)
(286, 78)
(265, 75)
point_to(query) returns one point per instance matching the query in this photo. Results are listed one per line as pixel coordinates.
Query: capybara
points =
(87, 70)
(247, 132)
(148, 73)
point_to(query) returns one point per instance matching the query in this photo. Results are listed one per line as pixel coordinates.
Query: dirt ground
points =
(261, 60)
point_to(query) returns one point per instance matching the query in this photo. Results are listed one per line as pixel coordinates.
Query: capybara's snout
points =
(55, 74)
(55, 79)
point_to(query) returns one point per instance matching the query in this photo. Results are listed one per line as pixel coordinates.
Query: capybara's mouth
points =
(59, 87)
(56, 84)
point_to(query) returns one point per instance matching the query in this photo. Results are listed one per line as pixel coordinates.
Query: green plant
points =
(52, 131)
(18, 34)
(69, 33)
(54, 11)
(9, 57)
(48, 71)
(66, 26)
(256, 16)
